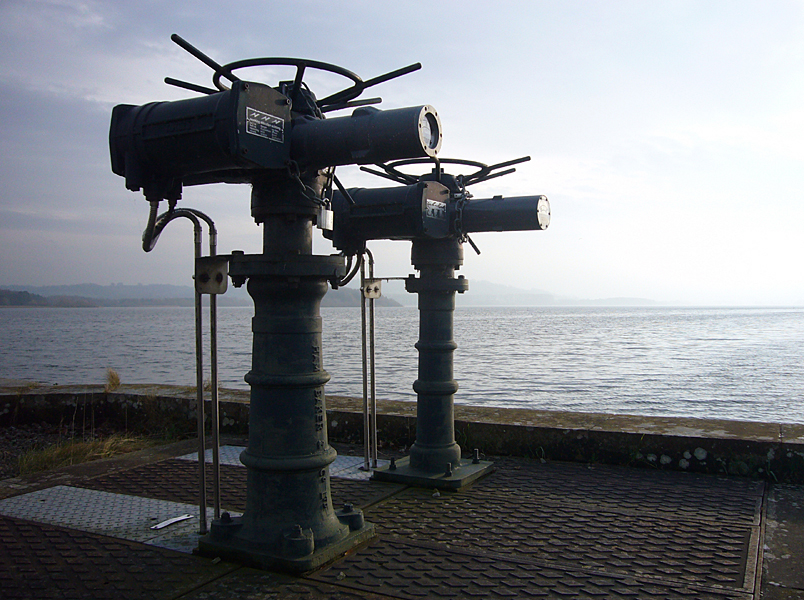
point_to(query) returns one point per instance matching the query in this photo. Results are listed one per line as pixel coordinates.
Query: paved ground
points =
(530, 529)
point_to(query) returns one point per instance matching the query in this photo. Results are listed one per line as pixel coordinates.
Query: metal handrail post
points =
(152, 232)
(366, 421)
(213, 350)
(373, 403)
(199, 386)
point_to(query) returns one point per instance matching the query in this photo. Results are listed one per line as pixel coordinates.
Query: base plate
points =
(236, 550)
(462, 474)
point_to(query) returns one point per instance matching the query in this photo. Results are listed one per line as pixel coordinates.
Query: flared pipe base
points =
(459, 475)
(223, 542)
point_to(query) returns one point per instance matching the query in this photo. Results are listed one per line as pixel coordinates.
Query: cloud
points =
(667, 137)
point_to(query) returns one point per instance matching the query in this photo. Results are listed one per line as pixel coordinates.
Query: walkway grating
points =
(530, 529)
(114, 515)
(345, 467)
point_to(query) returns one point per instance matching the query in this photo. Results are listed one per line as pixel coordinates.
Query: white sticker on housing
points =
(436, 209)
(265, 125)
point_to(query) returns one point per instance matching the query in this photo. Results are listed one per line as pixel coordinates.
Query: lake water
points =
(728, 363)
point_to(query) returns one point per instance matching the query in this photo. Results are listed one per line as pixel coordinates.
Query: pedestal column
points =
(289, 523)
(435, 457)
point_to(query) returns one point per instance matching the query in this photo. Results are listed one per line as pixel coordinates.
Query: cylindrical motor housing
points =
(397, 213)
(367, 136)
(240, 128)
(520, 213)
(231, 135)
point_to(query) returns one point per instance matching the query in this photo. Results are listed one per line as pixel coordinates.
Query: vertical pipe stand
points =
(289, 523)
(210, 278)
(370, 290)
(199, 395)
(435, 458)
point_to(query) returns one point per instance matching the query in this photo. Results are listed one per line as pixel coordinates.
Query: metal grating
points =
(260, 585)
(346, 467)
(667, 494)
(44, 562)
(229, 455)
(392, 567)
(104, 513)
(708, 553)
(531, 529)
(177, 481)
(352, 467)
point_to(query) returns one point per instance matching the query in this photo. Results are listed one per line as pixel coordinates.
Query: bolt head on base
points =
(461, 474)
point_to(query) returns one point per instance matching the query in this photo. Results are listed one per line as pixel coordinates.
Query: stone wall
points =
(761, 450)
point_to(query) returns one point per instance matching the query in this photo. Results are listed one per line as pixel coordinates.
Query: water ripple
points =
(740, 363)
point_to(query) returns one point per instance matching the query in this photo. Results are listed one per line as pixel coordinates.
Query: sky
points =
(668, 136)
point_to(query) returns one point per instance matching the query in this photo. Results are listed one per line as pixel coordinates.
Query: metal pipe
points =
(373, 403)
(213, 351)
(150, 237)
(199, 394)
(366, 421)
(213, 346)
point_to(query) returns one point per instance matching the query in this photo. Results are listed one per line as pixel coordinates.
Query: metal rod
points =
(351, 104)
(297, 83)
(343, 190)
(373, 405)
(199, 386)
(473, 180)
(366, 421)
(357, 89)
(178, 40)
(213, 351)
(150, 236)
(190, 86)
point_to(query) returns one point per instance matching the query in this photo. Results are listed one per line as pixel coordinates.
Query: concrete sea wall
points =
(771, 451)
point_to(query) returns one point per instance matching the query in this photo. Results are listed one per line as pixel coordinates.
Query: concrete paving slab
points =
(793, 434)
(784, 543)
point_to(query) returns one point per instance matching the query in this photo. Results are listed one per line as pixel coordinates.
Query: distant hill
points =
(621, 301)
(116, 291)
(485, 293)
(13, 298)
(90, 294)
(481, 293)
(351, 297)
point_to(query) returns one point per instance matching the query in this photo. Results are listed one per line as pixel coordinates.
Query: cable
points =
(351, 274)
(148, 237)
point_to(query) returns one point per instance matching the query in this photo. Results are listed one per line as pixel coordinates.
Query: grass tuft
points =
(112, 381)
(75, 451)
